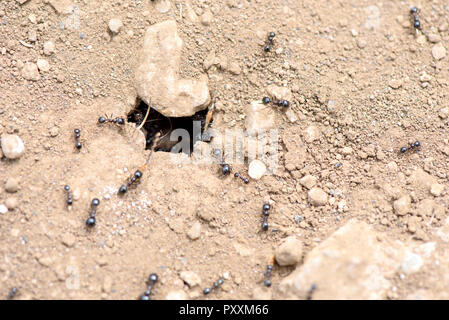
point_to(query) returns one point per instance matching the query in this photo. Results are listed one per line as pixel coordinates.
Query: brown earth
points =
(364, 84)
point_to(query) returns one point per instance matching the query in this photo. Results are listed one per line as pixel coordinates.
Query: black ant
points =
(269, 41)
(152, 280)
(415, 145)
(266, 213)
(245, 180)
(90, 222)
(280, 103)
(137, 175)
(69, 195)
(77, 137)
(267, 273)
(12, 293)
(416, 22)
(216, 284)
(135, 178)
(116, 120)
(226, 168)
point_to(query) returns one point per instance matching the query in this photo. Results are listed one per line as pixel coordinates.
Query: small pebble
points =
(11, 203)
(206, 18)
(289, 252)
(402, 205)
(411, 263)
(49, 48)
(54, 131)
(438, 51)
(12, 146)
(436, 189)
(308, 181)
(43, 65)
(256, 169)
(115, 25)
(30, 72)
(3, 209)
(12, 185)
(191, 278)
(195, 231)
(317, 197)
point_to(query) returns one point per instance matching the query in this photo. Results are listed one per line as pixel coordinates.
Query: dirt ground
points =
(363, 82)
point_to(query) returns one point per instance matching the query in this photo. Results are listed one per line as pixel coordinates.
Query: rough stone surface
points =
(157, 74)
(351, 258)
(289, 252)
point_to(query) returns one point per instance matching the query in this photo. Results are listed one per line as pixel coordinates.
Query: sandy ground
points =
(363, 85)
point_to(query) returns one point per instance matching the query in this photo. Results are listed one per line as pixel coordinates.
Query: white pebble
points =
(256, 169)
(3, 209)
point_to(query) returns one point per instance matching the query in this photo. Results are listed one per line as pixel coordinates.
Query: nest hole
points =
(158, 123)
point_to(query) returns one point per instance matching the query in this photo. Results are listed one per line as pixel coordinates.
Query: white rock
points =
(157, 75)
(43, 65)
(256, 169)
(115, 25)
(411, 263)
(12, 146)
(3, 209)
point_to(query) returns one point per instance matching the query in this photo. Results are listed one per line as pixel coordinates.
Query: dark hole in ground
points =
(156, 122)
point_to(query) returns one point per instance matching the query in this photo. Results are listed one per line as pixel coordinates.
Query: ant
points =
(137, 175)
(280, 103)
(152, 280)
(116, 120)
(416, 22)
(69, 195)
(266, 213)
(90, 222)
(131, 180)
(77, 137)
(267, 273)
(12, 293)
(216, 284)
(269, 41)
(226, 168)
(237, 175)
(415, 145)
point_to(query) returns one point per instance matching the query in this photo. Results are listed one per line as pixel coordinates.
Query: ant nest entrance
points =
(156, 123)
